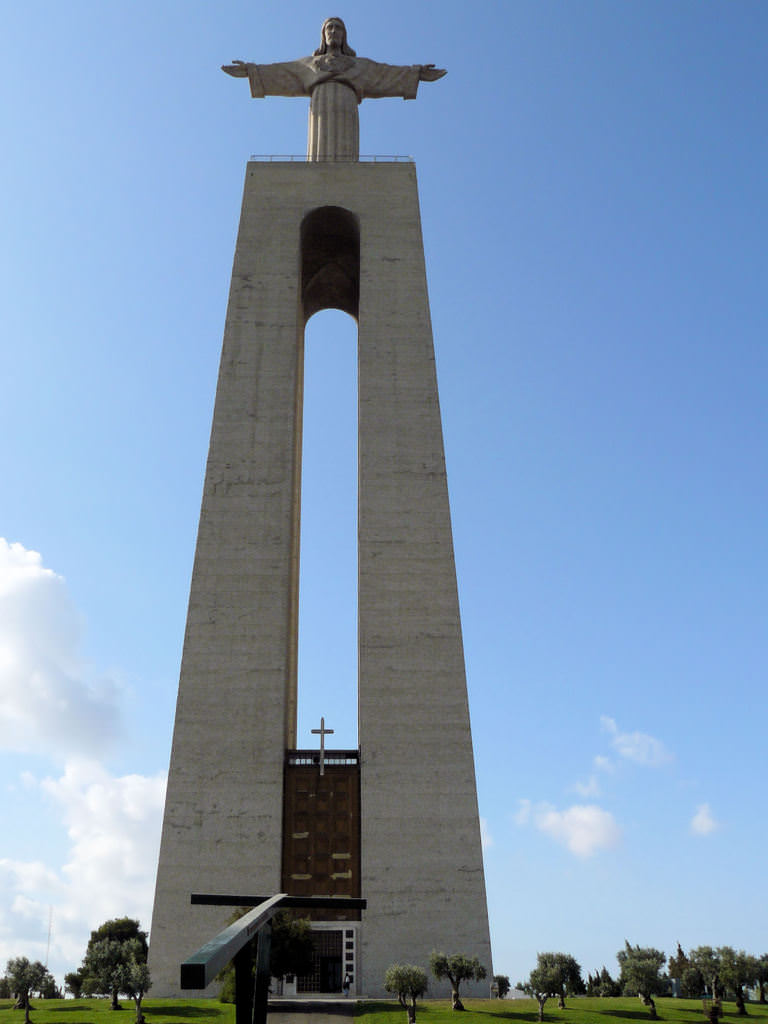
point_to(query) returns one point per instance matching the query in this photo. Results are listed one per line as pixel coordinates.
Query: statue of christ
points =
(336, 80)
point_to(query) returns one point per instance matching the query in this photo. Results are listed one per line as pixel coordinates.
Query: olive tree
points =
(135, 979)
(543, 981)
(103, 969)
(737, 972)
(707, 961)
(641, 973)
(406, 981)
(568, 974)
(455, 969)
(24, 978)
(112, 947)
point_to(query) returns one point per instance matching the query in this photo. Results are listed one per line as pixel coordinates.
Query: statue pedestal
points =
(314, 235)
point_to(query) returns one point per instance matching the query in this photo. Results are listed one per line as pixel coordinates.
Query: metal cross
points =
(323, 733)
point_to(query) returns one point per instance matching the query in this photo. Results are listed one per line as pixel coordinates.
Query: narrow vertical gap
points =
(327, 658)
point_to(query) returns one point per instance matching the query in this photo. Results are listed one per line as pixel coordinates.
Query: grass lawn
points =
(97, 1011)
(479, 1011)
(578, 1011)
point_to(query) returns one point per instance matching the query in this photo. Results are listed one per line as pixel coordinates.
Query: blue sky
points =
(592, 181)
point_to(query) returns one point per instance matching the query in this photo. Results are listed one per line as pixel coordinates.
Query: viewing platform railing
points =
(296, 158)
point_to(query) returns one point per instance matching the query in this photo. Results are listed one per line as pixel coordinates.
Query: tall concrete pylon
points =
(406, 833)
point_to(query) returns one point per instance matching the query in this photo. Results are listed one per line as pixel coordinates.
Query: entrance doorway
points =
(326, 974)
(330, 973)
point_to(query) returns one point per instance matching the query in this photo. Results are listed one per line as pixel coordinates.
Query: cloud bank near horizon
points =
(52, 700)
(102, 831)
(113, 829)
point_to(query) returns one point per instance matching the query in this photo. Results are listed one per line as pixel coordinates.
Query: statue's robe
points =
(336, 84)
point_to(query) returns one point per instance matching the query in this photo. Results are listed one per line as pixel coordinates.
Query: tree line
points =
(703, 972)
(115, 963)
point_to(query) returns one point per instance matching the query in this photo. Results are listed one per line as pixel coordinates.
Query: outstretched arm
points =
(393, 80)
(284, 79)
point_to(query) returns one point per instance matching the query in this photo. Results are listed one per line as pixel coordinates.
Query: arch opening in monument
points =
(330, 261)
(321, 808)
(327, 615)
(327, 528)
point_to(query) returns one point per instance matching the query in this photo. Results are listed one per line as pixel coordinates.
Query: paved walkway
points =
(315, 1010)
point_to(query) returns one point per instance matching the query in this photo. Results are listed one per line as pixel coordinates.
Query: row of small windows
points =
(312, 757)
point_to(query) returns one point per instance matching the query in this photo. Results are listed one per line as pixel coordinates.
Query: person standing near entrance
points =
(345, 986)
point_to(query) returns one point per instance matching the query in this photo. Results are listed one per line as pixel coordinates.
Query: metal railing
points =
(296, 158)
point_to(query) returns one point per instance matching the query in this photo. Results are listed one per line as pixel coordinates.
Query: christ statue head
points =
(333, 36)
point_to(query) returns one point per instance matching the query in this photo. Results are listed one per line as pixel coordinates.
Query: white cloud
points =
(603, 764)
(52, 702)
(583, 828)
(589, 788)
(49, 699)
(113, 824)
(635, 746)
(486, 839)
(702, 823)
